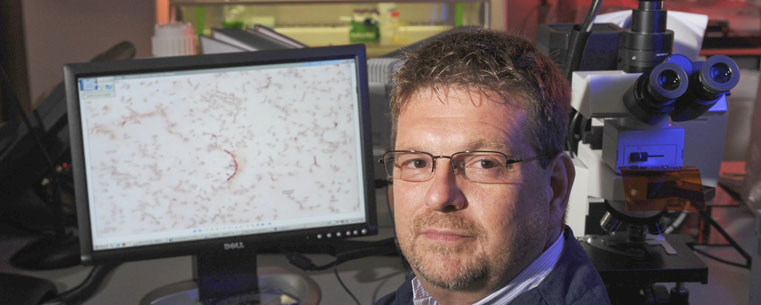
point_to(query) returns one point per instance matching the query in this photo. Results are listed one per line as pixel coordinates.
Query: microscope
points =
(633, 138)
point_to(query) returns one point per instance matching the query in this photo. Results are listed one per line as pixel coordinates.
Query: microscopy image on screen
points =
(180, 151)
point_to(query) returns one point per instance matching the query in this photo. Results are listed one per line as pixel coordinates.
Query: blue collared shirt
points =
(528, 279)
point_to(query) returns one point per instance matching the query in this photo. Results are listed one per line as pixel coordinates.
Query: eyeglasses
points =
(476, 166)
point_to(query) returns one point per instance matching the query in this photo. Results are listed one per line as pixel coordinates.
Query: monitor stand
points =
(235, 279)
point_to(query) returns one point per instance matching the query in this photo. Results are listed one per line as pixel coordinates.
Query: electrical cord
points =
(577, 44)
(55, 199)
(687, 191)
(718, 259)
(380, 247)
(713, 245)
(338, 277)
(87, 288)
(733, 194)
(574, 130)
(676, 223)
(726, 236)
(693, 196)
(27, 123)
(578, 40)
(591, 15)
(25, 119)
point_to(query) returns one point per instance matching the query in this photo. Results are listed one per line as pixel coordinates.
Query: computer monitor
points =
(218, 155)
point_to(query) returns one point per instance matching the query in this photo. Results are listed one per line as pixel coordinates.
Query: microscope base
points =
(655, 267)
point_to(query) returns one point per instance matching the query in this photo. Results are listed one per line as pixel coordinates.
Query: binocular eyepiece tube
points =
(680, 88)
(710, 80)
(653, 95)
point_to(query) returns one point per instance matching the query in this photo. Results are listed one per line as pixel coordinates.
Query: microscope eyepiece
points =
(721, 73)
(666, 82)
(709, 81)
(652, 96)
(669, 80)
(718, 75)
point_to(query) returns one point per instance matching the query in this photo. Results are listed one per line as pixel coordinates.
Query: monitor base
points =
(274, 282)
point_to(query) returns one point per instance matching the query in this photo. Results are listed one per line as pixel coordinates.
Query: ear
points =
(561, 175)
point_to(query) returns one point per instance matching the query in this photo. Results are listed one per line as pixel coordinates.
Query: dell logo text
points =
(235, 245)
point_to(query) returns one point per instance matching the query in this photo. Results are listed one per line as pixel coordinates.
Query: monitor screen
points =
(183, 155)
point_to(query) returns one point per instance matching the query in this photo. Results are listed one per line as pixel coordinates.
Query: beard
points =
(444, 266)
(465, 265)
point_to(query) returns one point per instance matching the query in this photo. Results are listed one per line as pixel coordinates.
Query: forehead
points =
(461, 119)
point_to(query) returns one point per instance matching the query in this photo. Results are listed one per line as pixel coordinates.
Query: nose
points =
(444, 194)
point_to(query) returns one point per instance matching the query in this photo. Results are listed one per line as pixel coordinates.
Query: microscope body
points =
(628, 142)
(640, 106)
(646, 138)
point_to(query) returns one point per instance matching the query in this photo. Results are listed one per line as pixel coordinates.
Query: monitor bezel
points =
(269, 241)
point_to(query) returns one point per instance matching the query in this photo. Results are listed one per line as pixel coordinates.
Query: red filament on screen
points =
(235, 163)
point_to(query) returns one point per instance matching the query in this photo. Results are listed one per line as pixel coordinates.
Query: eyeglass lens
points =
(475, 166)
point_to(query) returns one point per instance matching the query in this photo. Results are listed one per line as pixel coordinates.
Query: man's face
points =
(459, 234)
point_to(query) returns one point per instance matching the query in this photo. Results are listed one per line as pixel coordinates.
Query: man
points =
(480, 182)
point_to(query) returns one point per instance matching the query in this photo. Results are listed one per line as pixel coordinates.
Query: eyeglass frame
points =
(508, 161)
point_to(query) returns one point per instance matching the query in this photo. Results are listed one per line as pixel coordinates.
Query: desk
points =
(368, 278)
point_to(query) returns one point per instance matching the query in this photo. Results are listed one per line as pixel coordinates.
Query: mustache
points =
(447, 221)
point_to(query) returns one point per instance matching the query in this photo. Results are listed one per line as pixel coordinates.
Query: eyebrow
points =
(488, 144)
(478, 144)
